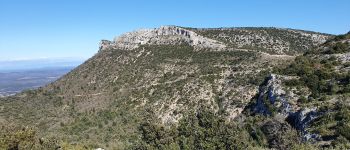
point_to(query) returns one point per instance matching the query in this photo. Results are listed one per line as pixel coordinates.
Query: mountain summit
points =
(165, 35)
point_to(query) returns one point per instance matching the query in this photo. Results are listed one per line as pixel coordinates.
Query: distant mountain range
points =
(41, 63)
(15, 81)
(19, 75)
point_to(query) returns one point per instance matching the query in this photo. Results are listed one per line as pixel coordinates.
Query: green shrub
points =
(201, 130)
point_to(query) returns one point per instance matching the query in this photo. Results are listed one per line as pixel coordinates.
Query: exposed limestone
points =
(343, 57)
(272, 97)
(301, 119)
(165, 35)
(272, 40)
(316, 38)
(273, 94)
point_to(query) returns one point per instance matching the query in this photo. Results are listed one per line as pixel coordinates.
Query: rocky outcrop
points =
(273, 99)
(272, 94)
(344, 57)
(301, 119)
(271, 40)
(105, 44)
(165, 35)
(316, 38)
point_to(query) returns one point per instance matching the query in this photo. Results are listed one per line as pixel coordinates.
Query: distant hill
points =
(15, 81)
(30, 64)
(19, 75)
(187, 88)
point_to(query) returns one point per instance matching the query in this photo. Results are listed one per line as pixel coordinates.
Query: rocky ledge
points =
(165, 35)
(273, 99)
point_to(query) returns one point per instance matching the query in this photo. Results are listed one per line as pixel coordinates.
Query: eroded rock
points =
(274, 99)
(165, 35)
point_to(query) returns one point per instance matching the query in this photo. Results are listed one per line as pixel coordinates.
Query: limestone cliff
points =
(274, 100)
(165, 35)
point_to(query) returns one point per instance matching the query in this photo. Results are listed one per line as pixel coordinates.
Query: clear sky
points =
(73, 28)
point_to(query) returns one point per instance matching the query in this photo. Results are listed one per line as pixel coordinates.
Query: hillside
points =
(152, 88)
(315, 93)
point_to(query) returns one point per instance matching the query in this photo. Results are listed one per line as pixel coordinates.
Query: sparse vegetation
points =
(179, 97)
(319, 76)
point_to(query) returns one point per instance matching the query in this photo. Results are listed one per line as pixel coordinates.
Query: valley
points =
(13, 82)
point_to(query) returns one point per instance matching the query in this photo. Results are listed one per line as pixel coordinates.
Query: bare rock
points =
(165, 35)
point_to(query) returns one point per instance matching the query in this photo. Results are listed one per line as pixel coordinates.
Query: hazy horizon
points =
(39, 63)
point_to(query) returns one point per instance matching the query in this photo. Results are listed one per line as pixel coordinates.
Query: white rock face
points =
(275, 95)
(277, 40)
(299, 118)
(344, 57)
(165, 35)
(316, 38)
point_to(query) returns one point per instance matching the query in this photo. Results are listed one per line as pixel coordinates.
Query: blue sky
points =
(73, 28)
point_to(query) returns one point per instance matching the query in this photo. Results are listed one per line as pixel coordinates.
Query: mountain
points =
(191, 88)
